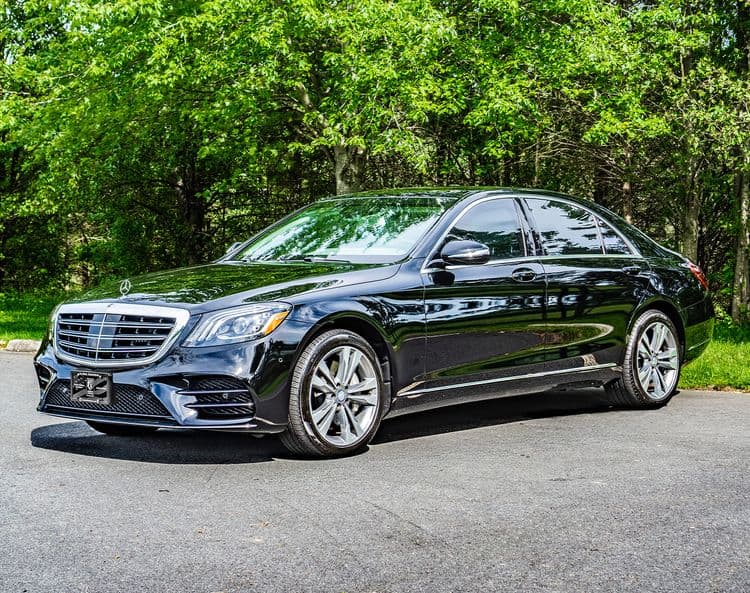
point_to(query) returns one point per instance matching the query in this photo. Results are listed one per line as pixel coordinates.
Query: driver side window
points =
(494, 223)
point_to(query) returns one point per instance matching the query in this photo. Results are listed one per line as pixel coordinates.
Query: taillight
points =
(698, 273)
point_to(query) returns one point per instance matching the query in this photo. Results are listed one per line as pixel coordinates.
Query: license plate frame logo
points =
(89, 387)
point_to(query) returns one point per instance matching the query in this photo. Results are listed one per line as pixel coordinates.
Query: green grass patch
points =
(725, 364)
(24, 316)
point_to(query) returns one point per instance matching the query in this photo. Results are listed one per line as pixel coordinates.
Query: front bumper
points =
(238, 387)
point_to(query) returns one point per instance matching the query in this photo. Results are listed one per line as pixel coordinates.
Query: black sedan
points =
(378, 304)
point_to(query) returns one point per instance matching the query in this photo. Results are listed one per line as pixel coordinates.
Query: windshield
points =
(374, 230)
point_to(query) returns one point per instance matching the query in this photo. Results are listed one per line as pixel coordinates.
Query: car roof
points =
(453, 193)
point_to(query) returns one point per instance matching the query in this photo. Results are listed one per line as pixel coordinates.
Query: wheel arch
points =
(670, 310)
(362, 326)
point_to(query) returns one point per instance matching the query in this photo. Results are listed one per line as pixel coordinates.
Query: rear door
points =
(595, 281)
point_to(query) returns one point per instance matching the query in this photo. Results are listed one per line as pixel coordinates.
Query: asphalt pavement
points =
(554, 492)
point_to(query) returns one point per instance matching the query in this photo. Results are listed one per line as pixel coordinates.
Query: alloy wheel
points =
(344, 396)
(658, 361)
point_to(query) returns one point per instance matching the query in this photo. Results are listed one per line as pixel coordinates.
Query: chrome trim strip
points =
(181, 317)
(540, 258)
(110, 412)
(223, 405)
(703, 343)
(583, 369)
(203, 391)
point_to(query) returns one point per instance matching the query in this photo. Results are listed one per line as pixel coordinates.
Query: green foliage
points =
(140, 134)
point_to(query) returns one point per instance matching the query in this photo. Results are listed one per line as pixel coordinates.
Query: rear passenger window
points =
(613, 243)
(494, 223)
(565, 229)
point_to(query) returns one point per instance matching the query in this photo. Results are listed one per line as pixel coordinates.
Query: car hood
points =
(225, 284)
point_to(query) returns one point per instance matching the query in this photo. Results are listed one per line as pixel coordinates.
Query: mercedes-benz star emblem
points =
(125, 287)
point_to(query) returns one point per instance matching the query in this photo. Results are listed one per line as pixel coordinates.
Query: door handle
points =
(632, 270)
(523, 275)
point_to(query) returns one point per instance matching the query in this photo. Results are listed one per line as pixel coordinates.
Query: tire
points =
(335, 407)
(121, 430)
(644, 385)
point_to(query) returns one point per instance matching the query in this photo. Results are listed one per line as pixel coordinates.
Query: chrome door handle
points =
(523, 275)
(632, 270)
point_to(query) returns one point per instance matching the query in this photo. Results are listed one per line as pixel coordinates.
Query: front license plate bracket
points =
(91, 387)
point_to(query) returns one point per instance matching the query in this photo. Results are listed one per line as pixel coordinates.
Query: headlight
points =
(238, 324)
(52, 323)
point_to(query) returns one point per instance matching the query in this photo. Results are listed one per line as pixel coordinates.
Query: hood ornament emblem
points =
(125, 287)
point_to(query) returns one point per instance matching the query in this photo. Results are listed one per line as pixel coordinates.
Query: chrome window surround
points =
(428, 270)
(181, 317)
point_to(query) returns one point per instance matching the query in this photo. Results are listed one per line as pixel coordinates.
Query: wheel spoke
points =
(324, 415)
(353, 422)
(366, 385)
(658, 383)
(644, 375)
(322, 380)
(658, 336)
(367, 399)
(343, 368)
(668, 359)
(343, 422)
(644, 348)
(354, 360)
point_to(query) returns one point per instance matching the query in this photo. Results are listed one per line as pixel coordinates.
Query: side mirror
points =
(465, 253)
(232, 247)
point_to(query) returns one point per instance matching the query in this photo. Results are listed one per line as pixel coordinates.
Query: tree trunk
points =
(194, 214)
(691, 228)
(627, 201)
(349, 163)
(627, 188)
(740, 290)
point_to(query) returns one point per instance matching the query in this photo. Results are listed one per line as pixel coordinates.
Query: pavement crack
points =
(403, 520)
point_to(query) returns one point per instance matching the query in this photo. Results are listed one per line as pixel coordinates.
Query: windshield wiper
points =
(314, 258)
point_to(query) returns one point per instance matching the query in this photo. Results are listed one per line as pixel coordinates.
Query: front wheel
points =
(336, 400)
(651, 367)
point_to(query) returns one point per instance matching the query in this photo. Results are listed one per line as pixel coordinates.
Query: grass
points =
(724, 365)
(24, 316)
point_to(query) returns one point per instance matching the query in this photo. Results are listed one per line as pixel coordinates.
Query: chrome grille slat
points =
(122, 324)
(90, 349)
(116, 334)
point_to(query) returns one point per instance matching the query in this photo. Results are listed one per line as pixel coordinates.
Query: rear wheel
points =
(651, 367)
(336, 399)
(121, 430)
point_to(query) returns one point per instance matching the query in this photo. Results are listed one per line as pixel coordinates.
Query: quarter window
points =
(565, 229)
(494, 223)
(613, 243)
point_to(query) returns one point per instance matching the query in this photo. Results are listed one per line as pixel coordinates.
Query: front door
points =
(484, 323)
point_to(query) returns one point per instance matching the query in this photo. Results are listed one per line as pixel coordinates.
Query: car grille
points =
(220, 398)
(111, 337)
(129, 400)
